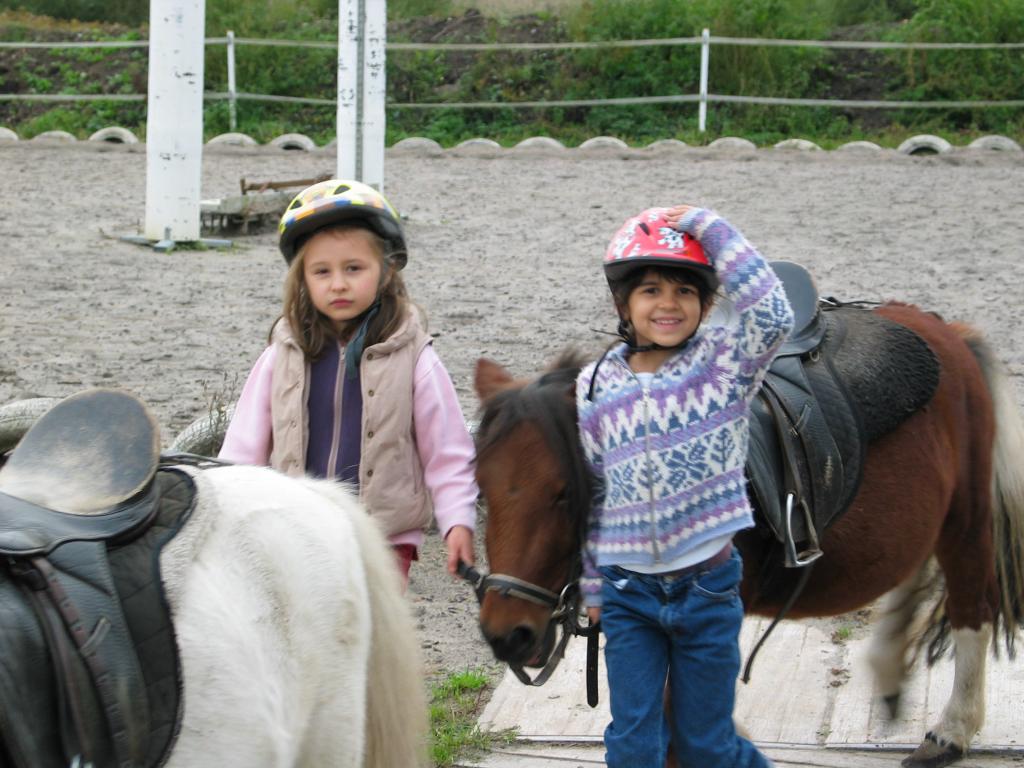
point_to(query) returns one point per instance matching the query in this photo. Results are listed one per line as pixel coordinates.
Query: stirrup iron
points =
(812, 551)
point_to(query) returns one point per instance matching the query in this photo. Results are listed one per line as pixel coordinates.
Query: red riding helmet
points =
(648, 240)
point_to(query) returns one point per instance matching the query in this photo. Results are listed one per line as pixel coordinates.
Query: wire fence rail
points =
(702, 98)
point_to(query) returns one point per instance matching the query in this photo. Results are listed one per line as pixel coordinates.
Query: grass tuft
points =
(455, 704)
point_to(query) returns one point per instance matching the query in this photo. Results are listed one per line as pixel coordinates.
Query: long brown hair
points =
(313, 331)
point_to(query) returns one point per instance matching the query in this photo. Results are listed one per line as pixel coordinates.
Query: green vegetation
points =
(454, 707)
(842, 633)
(489, 76)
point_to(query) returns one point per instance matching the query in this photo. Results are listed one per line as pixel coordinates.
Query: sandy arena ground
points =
(505, 259)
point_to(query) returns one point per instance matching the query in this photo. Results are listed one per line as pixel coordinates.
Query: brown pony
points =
(946, 486)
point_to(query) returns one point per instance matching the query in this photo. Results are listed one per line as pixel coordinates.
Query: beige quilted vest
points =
(390, 473)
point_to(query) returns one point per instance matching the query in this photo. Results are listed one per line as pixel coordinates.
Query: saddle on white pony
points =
(290, 643)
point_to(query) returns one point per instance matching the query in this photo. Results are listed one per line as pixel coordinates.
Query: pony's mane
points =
(549, 403)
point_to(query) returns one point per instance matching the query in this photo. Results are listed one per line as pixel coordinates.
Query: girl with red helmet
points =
(663, 419)
(350, 387)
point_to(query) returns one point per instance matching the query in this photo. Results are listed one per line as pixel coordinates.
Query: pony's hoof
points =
(892, 705)
(933, 753)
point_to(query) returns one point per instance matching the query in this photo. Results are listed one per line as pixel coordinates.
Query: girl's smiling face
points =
(663, 310)
(342, 269)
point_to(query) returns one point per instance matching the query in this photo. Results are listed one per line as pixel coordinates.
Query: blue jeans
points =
(683, 629)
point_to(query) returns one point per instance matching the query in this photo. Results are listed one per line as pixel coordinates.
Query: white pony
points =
(295, 642)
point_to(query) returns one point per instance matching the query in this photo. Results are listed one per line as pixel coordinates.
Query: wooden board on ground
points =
(784, 756)
(811, 689)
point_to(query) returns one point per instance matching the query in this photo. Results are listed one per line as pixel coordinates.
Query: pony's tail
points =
(1007, 488)
(396, 708)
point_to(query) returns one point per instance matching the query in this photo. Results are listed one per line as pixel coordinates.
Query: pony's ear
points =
(490, 379)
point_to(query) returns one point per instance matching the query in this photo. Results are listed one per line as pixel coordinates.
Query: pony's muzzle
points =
(523, 643)
(519, 646)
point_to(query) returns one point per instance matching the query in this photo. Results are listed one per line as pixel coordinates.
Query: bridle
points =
(565, 613)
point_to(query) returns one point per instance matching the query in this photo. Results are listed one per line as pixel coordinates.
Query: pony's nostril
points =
(515, 646)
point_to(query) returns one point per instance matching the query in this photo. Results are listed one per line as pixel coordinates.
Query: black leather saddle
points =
(833, 387)
(83, 472)
(83, 514)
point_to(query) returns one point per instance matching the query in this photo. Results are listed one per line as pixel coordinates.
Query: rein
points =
(565, 611)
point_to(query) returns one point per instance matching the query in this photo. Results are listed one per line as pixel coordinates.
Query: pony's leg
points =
(965, 554)
(965, 711)
(970, 608)
(891, 636)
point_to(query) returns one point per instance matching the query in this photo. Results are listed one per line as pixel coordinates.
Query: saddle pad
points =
(29, 700)
(889, 371)
(868, 375)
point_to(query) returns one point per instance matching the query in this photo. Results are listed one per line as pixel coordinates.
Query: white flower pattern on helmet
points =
(672, 238)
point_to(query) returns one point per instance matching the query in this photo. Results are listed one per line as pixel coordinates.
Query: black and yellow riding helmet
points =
(335, 201)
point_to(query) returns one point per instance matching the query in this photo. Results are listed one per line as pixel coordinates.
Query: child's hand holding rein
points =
(460, 547)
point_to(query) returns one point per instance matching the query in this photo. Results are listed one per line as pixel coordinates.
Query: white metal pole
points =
(374, 86)
(232, 90)
(705, 54)
(174, 119)
(349, 93)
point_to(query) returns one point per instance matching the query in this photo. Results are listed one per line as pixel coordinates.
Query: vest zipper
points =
(339, 378)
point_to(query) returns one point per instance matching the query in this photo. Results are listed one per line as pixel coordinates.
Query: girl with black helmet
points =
(663, 421)
(350, 386)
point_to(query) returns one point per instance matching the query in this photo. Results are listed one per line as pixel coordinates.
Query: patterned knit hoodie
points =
(669, 458)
